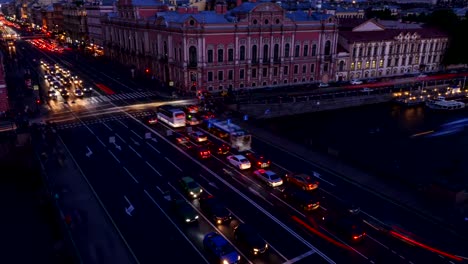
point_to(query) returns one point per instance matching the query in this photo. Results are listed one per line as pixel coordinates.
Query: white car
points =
(239, 161)
(422, 75)
(88, 89)
(355, 81)
(269, 177)
(323, 85)
(366, 90)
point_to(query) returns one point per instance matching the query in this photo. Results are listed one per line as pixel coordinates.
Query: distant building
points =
(94, 13)
(256, 44)
(8, 9)
(4, 106)
(343, 11)
(74, 22)
(389, 48)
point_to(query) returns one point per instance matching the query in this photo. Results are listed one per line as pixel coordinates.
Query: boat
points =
(441, 104)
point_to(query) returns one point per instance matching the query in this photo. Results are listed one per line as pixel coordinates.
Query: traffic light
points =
(38, 101)
(147, 70)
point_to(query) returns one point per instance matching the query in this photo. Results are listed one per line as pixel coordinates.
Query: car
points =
(371, 80)
(249, 239)
(301, 180)
(191, 187)
(306, 201)
(151, 120)
(203, 152)
(239, 161)
(217, 132)
(355, 81)
(206, 115)
(219, 249)
(76, 80)
(78, 92)
(366, 90)
(421, 75)
(64, 92)
(258, 161)
(348, 225)
(215, 210)
(218, 148)
(87, 89)
(192, 109)
(198, 136)
(269, 177)
(192, 121)
(52, 94)
(323, 85)
(56, 85)
(184, 210)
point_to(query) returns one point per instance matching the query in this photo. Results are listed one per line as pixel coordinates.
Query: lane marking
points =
(122, 123)
(108, 127)
(154, 148)
(130, 175)
(159, 189)
(136, 134)
(102, 143)
(113, 156)
(138, 154)
(300, 257)
(117, 135)
(352, 248)
(288, 205)
(376, 241)
(170, 161)
(175, 225)
(155, 170)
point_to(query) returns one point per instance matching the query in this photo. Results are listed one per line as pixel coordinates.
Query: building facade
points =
(256, 44)
(94, 12)
(376, 51)
(74, 22)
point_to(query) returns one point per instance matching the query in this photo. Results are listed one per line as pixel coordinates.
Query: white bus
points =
(238, 138)
(171, 115)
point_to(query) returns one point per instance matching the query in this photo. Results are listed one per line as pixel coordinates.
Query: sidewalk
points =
(398, 194)
(94, 234)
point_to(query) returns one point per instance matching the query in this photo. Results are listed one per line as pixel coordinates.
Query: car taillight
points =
(310, 185)
(259, 163)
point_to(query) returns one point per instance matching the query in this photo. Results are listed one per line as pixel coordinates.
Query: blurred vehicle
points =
(371, 80)
(192, 109)
(421, 75)
(218, 148)
(366, 90)
(52, 94)
(206, 115)
(215, 210)
(198, 136)
(88, 89)
(249, 239)
(347, 223)
(192, 120)
(269, 177)
(64, 92)
(203, 152)
(219, 249)
(184, 210)
(306, 201)
(151, 120)
(190, 187)
(323, 85)
(302, 181)
(183, 141)
(257, 161)
(219, 133)
(239, 161)
(355, 82)
(78, 92)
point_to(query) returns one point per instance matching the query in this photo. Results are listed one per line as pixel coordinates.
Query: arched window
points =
(327, 47)
(242, 53)
(276, 53)
(341, 66)
(193, 56)
(265, 53)
(286, 50)
(314, 50)
(254, 54)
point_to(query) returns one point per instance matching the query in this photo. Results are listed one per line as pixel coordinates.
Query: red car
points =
(258, 161)
(302, 181)
(152, 120)
(203, 152)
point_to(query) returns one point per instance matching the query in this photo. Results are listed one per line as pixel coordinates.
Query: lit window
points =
(359, 65)
(373, 64)
(381, 63)
(367, 65)
(352, 66)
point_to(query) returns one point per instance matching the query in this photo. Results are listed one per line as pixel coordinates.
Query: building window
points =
(314, 50)
(276, 53)
(220, 55)
(389, 63)
(312, 68)
(210, 56)
(352, 66)
(254, 73)
(175, 54)
(241, 74)
(304, 68)
(265, 54)
(285, 70)
(275, 71)
(325, 67)
(230, 75)
(380, 63)
(286, 50)
(369, 50)
(306, 50)
(242, 53)
(193, 56)
(354, 52)
(341, 66)
(412, 48)
(375, 51)
(296, 69)
(220, 75)
(254, 54)
(327, 48)
(230, 55)
(210, 76)
(416, 60)
(296, 51)
(410, 60)
(382, 51)
(367, 64)
(373, 64)
(360, 52)
(264, 72)
(359, 65)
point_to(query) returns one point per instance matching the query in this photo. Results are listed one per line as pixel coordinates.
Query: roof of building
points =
(49, 8)
(304, 16)
(209, 17)
(388, 34)
(146, 3)
(350, 23)
(392, 24)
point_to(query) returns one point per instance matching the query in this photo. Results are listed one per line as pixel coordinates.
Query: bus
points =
(238, 138)
(171, 115)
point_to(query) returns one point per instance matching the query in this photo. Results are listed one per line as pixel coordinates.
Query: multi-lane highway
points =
(132, 165)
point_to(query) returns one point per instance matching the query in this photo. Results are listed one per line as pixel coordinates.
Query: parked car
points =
(355, 81)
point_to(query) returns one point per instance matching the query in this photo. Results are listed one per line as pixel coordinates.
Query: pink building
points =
(256, 44)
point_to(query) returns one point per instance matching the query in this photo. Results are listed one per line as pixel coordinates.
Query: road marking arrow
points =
(89, 153)
(130, 207)
(135, 142)
(213, 184)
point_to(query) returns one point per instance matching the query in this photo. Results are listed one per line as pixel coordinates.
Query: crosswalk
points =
(104, 119)
(120, 97)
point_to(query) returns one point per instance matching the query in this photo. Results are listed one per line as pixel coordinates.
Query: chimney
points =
(239, 2)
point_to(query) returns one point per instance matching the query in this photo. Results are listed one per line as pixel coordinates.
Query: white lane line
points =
(108, 127)
(288, 205)
(252, 190)
(234, 189)
(296, 259)
(175, 225)
(130, 175)
(117, 135)
(159, 189)
(155, 170)
(102, 143)
(170, 161)
(376, 241)
(138, 154)
(122, 123)
(154, 148)
(210, 223)
(319, 176)
(136, 134)
(113, 156)
(349, 246)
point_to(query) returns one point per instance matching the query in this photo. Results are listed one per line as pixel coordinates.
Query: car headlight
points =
(255, 250)
(201, 190)
(191, 193)
(196, 217)
(187, 220)
(238, 258)
(225, 262)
